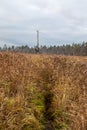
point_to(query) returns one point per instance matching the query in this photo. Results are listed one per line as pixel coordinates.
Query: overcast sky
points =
(59, 21)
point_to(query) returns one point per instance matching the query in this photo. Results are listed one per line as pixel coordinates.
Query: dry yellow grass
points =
(43, 92)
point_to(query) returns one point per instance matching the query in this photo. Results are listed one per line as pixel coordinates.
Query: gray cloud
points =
(59, 21)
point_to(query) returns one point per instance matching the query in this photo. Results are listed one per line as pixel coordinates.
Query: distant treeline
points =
(74, 49)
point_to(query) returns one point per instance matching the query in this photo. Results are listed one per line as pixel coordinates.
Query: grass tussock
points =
(43, 92)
